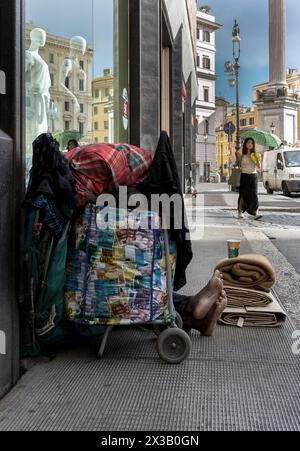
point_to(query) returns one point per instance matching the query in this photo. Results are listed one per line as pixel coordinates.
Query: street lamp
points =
(273, 128)
(206, 176)
(232, 70)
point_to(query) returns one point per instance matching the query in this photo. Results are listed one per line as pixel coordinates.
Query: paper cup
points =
(233, 248)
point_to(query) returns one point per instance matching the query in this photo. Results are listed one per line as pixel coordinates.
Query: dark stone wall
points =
(11, 186)
(176, 106)
(145, 49)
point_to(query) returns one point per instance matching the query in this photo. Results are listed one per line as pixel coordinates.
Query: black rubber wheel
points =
(269, 190)
(159, 328)
(285, 190)
(174, 345)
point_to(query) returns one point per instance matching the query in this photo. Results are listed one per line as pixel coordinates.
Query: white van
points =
(281, 170)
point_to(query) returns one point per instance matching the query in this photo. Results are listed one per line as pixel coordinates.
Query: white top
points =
(247, 165)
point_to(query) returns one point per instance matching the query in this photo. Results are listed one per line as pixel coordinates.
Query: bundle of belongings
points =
(117, 268)
(79, 268)
(248, 281)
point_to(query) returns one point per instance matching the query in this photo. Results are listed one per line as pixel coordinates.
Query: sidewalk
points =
(240, 379)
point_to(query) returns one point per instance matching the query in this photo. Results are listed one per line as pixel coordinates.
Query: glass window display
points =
(73, 71)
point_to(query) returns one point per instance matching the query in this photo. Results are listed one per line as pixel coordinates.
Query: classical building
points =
(63, 114)
(293, 86)
(276, 103)
(103, 107)
(205, 106)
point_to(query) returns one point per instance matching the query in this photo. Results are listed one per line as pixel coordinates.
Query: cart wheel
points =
(159, 329)
(174, 345)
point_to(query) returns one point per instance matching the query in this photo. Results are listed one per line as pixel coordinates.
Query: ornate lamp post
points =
(233, 70)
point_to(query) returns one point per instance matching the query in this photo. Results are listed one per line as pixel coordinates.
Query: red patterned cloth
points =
(99, 168)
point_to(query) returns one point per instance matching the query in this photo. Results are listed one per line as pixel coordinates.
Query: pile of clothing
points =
(248, 281)
(61, 196)
(117, 268)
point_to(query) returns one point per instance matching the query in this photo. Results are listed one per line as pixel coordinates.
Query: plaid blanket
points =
(99, 168)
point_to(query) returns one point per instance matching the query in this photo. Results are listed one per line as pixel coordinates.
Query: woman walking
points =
(250, 163)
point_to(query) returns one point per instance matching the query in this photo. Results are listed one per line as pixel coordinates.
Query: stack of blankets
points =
(116, 270)
(248, 281)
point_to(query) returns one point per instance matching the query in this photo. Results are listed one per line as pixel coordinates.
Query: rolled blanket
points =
(248, 271)
(243, 297)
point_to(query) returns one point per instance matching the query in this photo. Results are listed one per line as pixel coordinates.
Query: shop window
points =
(80, 67)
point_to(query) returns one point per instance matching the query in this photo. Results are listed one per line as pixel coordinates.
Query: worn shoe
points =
(241, 216)
(258, 217)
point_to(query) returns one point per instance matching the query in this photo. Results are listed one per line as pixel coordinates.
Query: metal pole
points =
(236, 69)
(205, 164)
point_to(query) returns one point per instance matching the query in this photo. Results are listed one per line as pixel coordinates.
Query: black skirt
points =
(248, 200)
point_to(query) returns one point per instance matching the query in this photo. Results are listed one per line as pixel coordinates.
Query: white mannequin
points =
(71, 65)
(38, 85)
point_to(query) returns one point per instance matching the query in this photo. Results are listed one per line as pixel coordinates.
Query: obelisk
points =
(277, 43)
(276, 104)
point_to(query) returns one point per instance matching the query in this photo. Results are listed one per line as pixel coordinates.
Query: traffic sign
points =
(229, 128)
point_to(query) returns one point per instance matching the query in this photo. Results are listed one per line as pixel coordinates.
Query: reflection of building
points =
(205, 110)
(62, 114)
(103, 117)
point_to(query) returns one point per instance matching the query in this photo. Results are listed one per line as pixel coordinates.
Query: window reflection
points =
(69, 72)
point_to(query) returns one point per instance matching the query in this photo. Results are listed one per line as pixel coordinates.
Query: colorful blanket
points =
(99, 168)
(116, 272)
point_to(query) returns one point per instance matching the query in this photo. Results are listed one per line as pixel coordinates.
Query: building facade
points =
(153, 89)
(225, 144)
(206, 107)
(103, 111)
(293, 86)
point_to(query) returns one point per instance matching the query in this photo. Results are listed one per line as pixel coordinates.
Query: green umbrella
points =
(261, 137)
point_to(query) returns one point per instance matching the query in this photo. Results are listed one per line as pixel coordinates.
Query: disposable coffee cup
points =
(233, 248)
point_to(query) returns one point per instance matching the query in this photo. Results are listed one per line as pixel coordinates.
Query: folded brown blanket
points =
(248, 271)
(243, 297)
(251, 320)
(272, 315)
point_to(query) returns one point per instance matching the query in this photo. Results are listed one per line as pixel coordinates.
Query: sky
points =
(252, 16)
(93, 20)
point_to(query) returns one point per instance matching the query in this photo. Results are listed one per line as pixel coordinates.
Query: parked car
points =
(281, 170)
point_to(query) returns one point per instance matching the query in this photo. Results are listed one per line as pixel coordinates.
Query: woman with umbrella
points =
(250, 163)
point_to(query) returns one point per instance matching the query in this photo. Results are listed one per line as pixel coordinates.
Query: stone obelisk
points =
(277, 42)
(275, 103)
